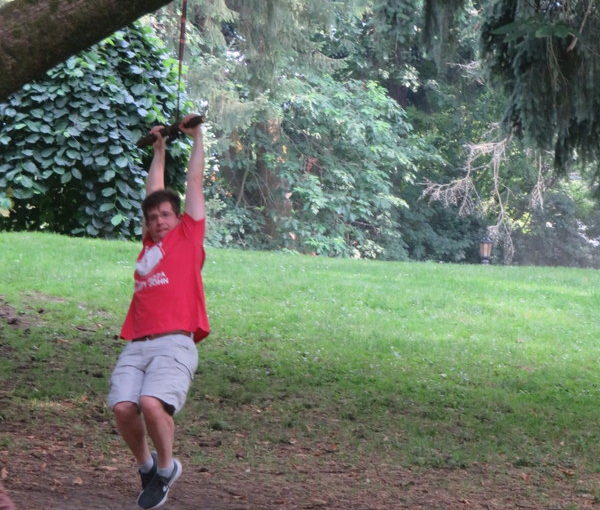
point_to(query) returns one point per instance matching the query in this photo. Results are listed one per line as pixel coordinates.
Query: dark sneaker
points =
(147, 477)
(155, 493)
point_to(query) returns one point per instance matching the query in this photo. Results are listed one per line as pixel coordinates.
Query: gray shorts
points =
(163, 368)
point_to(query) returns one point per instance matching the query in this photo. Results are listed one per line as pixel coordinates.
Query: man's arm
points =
(194, 195)
(156, 173)
(155, 179)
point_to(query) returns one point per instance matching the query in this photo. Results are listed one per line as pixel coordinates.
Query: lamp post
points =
(485, 249)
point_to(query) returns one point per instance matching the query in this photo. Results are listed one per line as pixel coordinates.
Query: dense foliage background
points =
(349, 128)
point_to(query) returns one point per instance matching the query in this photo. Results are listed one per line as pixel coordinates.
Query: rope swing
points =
(172, 131)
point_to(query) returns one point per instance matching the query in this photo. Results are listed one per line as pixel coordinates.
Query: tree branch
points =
(36, 35)
(585, 17)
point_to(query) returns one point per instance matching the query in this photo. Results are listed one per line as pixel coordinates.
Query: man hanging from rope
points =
(166, 317)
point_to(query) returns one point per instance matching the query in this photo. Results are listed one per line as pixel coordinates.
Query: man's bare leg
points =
(5, 502)
(130, 425)
(161, 429)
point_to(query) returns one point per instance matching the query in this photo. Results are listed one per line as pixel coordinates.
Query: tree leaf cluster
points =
(68, 161)
(354, 147)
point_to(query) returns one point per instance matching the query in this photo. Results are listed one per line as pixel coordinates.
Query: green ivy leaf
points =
(73, 131)
(24, 181)
(29, 166)
(122, 162)
(139, 89)
(22, 193)
(91, 230)
(123, 187)
(108, 175)
(126, 204)
(117, 219)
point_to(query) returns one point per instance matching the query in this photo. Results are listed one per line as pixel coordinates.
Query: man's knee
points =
(153, 406)
(126, 411)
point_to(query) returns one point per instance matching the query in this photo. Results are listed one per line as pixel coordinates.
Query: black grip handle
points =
(194, 121)
(171, 132)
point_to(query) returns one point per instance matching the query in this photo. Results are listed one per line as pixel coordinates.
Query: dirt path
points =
(57, 475)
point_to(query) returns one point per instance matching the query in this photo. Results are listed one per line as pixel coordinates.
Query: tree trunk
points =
(36, 35)
(273, 188)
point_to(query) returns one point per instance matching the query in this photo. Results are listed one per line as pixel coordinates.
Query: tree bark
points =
(273, 188)
(36, 35)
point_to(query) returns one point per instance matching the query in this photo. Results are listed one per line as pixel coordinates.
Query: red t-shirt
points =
(169, 294)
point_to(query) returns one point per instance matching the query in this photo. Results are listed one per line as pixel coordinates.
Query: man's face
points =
(160, 221)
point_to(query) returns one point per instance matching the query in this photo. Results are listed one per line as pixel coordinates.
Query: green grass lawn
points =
(427, 364)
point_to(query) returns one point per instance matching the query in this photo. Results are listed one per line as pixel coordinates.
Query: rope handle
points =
(170, 132)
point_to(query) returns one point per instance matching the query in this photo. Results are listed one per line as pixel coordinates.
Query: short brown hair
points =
(156, 198)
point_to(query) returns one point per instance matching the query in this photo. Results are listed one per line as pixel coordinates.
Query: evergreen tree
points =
(543, 55)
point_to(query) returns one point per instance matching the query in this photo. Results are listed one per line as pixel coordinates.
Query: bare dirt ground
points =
(59, 468)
